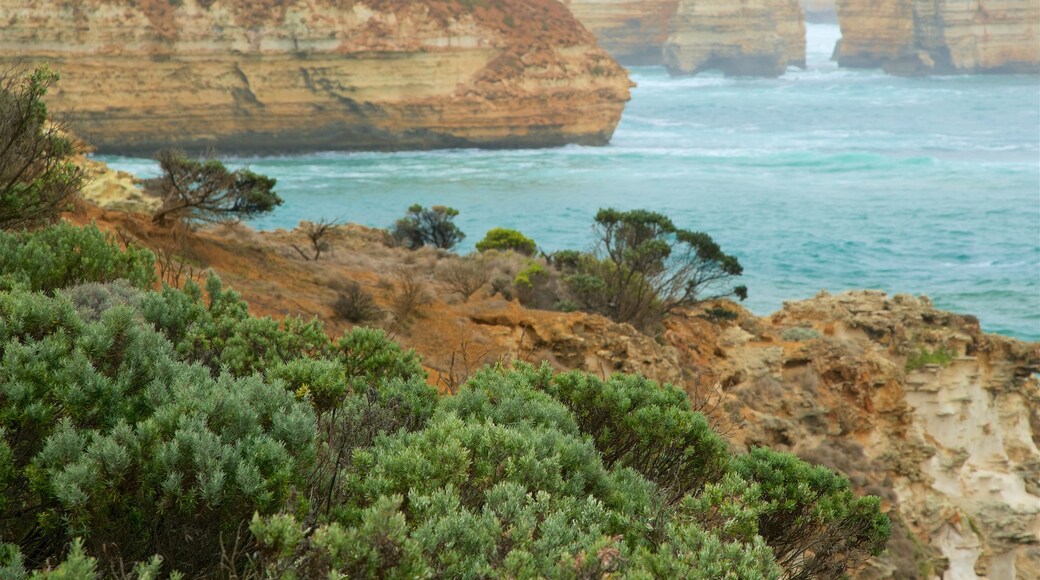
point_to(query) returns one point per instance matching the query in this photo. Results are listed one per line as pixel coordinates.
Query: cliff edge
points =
(913, 37)
(740, 38)
(294, 75)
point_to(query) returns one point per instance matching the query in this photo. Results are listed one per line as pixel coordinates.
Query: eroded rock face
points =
(295, 75)
(632, 31)
(940, 36)
(738, 37)
(915, 405)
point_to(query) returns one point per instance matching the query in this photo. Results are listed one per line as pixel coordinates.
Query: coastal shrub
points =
(816, 526)
(206, 191)
(719, 314)
(92, 299)
(171, 430)
(639, 424)
(317, 234)
(922, 356)
(466, 276)
(428, 227)
(64, 255)
(38, 179)
(409, 297)
(506, 239)
(355, 305)
(107, 436)
(644, 268)
(799, 334)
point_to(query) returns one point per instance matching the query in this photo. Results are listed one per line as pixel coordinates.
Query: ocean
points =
(825, 178)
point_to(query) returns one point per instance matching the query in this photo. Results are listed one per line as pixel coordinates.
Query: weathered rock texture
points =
(293, 75)
(632, 31)
(739, 37)
(951, 447)
(940, 36)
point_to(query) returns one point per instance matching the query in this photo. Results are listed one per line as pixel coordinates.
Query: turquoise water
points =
(825, 178)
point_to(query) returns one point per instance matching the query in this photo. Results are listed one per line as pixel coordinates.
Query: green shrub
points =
(355, 305)
(920, 357)
(65, 255)
(207, 191)
(526, 277)
(158, 427)
(637, 423)
(37, 176)
(799, 334)
(428, 227)
(506, 239)
(644, 268)
(111, 438)
(815, 525)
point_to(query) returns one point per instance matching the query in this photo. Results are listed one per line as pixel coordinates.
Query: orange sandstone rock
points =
(297, 75)
(940, 36)
(739, 37)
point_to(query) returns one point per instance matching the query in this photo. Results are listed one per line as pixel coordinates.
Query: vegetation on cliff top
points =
(206, 191)
(37, 178)
(175, 424)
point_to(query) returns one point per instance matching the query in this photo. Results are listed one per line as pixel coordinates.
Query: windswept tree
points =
(206, 191)
(37, 177)
(645, 267)
(428, 227)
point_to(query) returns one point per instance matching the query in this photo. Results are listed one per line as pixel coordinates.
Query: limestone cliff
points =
(295, 75)
(940, 36)
(739, 37)
(914, 404)
(632, 31)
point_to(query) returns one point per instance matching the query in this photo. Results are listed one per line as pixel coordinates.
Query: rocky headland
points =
(747, 37)
(744, 38)
(912, 37)
(632, 31)
(914, 404)
(299, 75)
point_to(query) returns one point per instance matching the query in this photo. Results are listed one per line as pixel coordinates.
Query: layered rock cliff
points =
(940, 36)
(632, 31)
(295, 75)
(738, 37)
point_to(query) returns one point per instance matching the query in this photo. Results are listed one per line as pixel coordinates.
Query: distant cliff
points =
(819, 10)
(292, 75)
(940, 36)
(743, 37)
(632, 31)
(739, 37)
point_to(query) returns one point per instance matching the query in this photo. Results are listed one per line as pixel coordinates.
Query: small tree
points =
(317, 232)
(207, 191)
(647, 264)
(428, 227)
(37, 179)
(506, 239)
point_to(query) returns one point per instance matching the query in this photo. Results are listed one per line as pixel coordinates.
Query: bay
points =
(825, 178)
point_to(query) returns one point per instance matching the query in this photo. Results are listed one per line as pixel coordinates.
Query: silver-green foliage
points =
(65, 255)
(108, 436)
